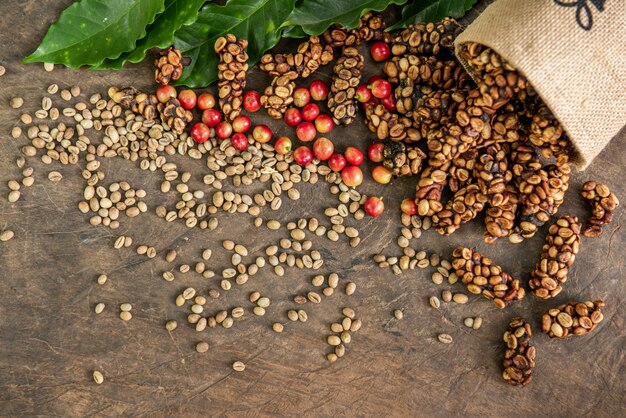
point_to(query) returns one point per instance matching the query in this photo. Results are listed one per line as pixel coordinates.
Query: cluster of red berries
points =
(307, 120)
(377, 90)
(211, 117)
(306, 116)
(380, 173)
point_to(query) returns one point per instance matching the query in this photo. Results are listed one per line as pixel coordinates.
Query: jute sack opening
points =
(573, 52)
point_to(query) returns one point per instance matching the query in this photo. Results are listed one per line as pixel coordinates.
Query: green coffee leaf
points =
(258, 21)
(432, 11)
(90, 31)
(294, 32)
(177, 13)
(315, 16)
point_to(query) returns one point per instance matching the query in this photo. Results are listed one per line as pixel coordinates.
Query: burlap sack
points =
(573, 52)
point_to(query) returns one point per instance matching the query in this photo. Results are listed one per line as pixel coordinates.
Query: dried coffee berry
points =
(309, 57)
(483, 277)
(558, 254)
(573, 318)
(402, 160)
(278, 96)
(125, 96)
(426, 38)
(603, 202)
(499, 80)
(464, 206)
(171, 113)
(169, 65)
(346, 77)
(519, 357)
(231, 72)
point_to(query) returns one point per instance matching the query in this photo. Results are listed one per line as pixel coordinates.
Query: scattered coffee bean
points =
(460, 298)
(206, 254)
(333, 340)
(170, 256)
(350, 288)
(16, 132)
(333, 280)
(6, 235)
(292, 315)
(302, 315)
(55, 176)
(202, 347)
(317, 281)
(314, 297)
(98, 377)
(263, 302)
(14, 196)
(273, 224)
(478, 321)
(16, 102)
(437, 278)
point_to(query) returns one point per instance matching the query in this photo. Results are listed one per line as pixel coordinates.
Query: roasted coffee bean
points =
(483, 277)
(558, 254)
(603, 203)
(573, 318)
(519, 357)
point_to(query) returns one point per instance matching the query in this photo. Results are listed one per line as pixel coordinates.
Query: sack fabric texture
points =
(573, 52)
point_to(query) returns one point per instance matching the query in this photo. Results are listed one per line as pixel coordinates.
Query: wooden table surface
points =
(51, 341)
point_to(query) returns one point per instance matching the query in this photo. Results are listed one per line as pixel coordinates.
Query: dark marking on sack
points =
(584, 14)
